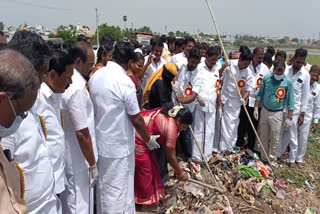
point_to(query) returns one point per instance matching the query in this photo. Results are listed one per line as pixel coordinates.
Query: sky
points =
(277, 18)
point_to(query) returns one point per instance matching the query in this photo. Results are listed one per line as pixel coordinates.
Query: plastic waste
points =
(309, 185)
(281, 185)
(281, 194)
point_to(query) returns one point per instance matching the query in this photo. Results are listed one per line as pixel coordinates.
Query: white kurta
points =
(114, 98)
(205, 115)
(232, 105)
(313, 112)
(261, 71)
(29, 149)
(78, 115)
(49, 109)
(193, 79)
(153, 67)
(301, 86)
(179, 59)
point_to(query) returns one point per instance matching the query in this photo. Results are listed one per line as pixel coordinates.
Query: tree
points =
(65, 35)
(171, 34)
(1, 26)
(296, 40)
(112, 31)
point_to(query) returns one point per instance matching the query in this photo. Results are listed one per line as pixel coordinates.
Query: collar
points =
(77, 73)
(313, 86)
(46, 90)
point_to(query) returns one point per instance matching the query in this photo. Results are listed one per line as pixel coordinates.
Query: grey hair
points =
(17, 74)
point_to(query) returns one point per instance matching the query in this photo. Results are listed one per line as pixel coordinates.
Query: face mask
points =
(278, 77)
(4, 132)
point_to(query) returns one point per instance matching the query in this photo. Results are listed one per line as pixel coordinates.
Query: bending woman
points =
(166, 122)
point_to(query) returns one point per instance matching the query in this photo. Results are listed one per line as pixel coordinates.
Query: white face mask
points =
(278, 77)
(4, 132)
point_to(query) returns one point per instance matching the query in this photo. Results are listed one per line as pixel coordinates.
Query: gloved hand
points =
(93, 173)
(176, 87)
(243, 102)
(256, 113)
(153, 142)
(182, 176)
(287, 124)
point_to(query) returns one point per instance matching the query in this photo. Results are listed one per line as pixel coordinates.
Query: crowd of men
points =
(65, 126)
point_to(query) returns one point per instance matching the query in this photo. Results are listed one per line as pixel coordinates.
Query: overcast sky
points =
(256, 17)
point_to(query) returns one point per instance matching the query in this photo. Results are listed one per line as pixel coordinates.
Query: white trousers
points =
(204, 123)
(115, 188)
(78, 195)
(217, 133)
(229, 126)
(303, 134)
(290, 137)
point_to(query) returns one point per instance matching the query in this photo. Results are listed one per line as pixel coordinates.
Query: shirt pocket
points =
(297, 86)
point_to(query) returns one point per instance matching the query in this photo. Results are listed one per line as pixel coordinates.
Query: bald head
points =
(84, 58)
(17, 74)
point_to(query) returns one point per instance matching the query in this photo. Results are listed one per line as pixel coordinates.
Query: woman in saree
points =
(165, 122)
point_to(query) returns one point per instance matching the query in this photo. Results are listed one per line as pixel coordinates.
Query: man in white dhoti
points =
(117, 115)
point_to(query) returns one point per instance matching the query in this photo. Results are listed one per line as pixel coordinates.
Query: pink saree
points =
(148, 186)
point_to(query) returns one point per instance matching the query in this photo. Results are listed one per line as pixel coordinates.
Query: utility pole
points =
(97, 25)
(125, 18)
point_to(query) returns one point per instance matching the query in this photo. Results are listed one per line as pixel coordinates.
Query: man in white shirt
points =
(153, 62)
(312, 112)
(190, 81)
(182, 58)
(205, 111)
(258, 70)
(231, 100)
(30, 139)
(81, 169)
(117, 115)
(19, 86)
(301, 84)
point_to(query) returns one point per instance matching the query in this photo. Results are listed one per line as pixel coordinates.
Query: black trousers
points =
(246, 128)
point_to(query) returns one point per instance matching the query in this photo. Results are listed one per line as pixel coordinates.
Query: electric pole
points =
(97, 25)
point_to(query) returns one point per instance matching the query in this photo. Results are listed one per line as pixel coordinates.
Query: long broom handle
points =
(235, 81)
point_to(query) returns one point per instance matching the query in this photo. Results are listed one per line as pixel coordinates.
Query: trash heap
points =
(246, 185)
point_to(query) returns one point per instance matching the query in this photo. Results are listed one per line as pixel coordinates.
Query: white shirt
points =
(301, 86)
(208, 92)
(78, 114)
(179, 59)
(49, 108)
(153, 67)
(29, 149)
(262, 71)
(229, 89)
(165, 47)
(114, 98)
(313, 109)
(190, 78)
(308, 67)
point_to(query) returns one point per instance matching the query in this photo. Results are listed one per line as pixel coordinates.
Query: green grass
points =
(312, 163)
(314, 59)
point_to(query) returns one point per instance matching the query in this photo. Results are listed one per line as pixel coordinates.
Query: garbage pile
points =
(246, 185)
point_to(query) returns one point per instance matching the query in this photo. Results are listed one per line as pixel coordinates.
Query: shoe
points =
(292, 165)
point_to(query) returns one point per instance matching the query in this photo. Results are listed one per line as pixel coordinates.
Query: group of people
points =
(79, 124)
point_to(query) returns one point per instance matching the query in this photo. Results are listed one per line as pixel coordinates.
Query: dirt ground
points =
(187, 198)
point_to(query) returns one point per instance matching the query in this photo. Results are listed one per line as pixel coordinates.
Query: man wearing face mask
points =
(81, 153)
(18, 91)
(301, 84)
(28, 146)
(276, 93)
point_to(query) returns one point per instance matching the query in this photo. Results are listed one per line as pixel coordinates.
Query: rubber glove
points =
(153, 142)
